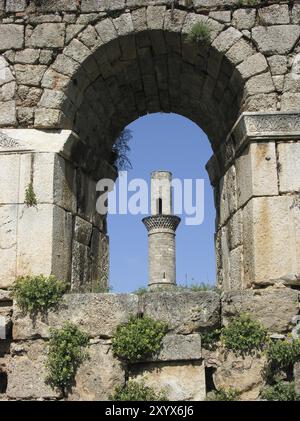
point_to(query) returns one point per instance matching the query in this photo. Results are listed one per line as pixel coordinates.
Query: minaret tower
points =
(161, 226)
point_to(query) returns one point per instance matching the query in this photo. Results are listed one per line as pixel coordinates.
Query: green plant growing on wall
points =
(139, 338)
(209, 340)
(137, 391)
(30, 197)
(281, 355)
(65, 354)
(225, 395)
(200, 33)
(243, 335)
(281, 391)
(37, 294)
(120, 150)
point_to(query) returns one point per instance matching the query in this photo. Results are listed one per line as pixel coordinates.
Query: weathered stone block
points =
(50, 230)
(8, 114)
(240, 51)
(15, 5)
(260, 84)
(101, 5)
(100, 261)
(277, 14)
(273, 307)
(278, 64)
(290, 102)
(47, 35)
(179, 348)
(226, 39)
(57, 5)
(82, 231)
(29, 74)
(242, 373)
(199, 309)
(228, 194)
(12, 36)
(98, 377)
(279, 39)
(96, 314)
(8, 243)
(81, 268)
(9, 171)
(256, 172)
(244, 18)
(272, 224)
(252, 66)
(27, 374)
(180, 381)
(289, 166)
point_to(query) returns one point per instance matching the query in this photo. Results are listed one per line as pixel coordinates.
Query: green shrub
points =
(225, 395)
(65, 354)
(134, 391)
(139, 338)
(243, 335)
(209, 340)
(282, 356)
(200, 33)
(34, 294)
(141, 291)
(30, 197)
(281, 391)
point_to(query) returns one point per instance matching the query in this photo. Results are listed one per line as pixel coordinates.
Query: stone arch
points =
(118, 69)
(108, 68)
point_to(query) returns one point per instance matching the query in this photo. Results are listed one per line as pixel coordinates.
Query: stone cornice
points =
(253, 127)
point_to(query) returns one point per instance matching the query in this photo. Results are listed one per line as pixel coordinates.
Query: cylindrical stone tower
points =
(161, 226)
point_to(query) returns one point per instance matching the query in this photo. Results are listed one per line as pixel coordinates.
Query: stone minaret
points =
(161, 226)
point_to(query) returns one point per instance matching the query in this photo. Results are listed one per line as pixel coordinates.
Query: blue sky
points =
(173, 143)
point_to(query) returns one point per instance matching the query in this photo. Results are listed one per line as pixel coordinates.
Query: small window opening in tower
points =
(160, 208)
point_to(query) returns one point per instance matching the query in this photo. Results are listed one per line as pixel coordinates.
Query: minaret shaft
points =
(161, 226)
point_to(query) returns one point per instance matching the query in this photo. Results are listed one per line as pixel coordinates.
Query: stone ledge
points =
(252, 127)
(100, 314)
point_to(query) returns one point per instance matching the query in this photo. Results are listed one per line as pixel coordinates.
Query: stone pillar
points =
(59, 233)
(256, 177)
(161, 228)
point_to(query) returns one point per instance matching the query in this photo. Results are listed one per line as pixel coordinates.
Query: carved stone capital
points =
(252, 127)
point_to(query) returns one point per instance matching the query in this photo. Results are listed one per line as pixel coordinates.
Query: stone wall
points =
(62, 234)
(185, 369)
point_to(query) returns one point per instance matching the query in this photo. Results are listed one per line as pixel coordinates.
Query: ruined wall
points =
(183, 367)
(92, 67)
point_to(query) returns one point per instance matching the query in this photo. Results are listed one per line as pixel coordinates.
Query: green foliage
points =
(134, 391)
(243, 335)
(282, 355)
(225, 395)
(200, 33)
(141, 291)
(120, 150)
(139, 338)
(281, 391)
(209, 340)
(30, 197)
(66, 353)
(34, 294)
(202, 286)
